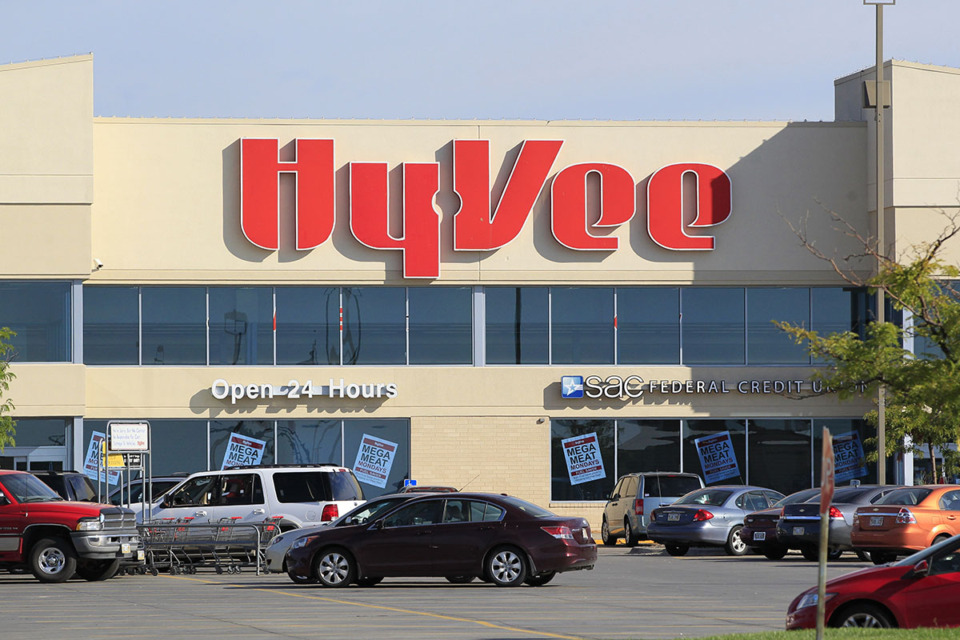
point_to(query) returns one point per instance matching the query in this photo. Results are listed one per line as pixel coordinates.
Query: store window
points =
(517, 330)
(308, 325)
(111, 325)
(566, 462)
(836, 310)
(40, 432)
(648, 325)
(378, 451)
(374, 325)
(241, 325)
(174, 325)
(582, 322)
(648, 445)
(309, 441)
(693, 430)
(778, 445)
(176, 446)
(441, 325)
(221, 430)
(850, 437)
(766, 342)
(39, 313)
(713, 325)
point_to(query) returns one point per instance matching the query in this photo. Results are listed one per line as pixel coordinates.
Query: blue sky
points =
(486, 59)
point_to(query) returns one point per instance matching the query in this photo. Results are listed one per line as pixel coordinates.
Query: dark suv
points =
(627, 512)
(70, 485)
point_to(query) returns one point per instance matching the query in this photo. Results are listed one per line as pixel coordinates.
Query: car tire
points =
(459, 579)
(605, 537)
(677, 549)
(334, 567)
(864, 615)
(53, 560)
(735, 544)
(506, 567)
(629, 537)
(774, 553)
(882, 557)
(541, 578)
(369, 581)
(940, 538)
(810, 553)
(834, 553)
(97, 570)
(863, 555)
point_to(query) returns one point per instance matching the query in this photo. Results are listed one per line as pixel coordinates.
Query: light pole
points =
(879, 103)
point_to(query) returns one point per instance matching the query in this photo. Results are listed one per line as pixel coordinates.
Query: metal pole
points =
(881, 247)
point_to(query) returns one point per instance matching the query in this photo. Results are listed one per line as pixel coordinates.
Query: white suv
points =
(295, 496)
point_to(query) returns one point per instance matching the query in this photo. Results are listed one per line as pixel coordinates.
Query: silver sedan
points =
(712, 516)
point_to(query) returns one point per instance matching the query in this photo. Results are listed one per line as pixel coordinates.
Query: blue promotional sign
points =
(848, 459)
(717, 458)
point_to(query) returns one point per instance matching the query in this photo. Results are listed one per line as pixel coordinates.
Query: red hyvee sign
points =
(477, 225)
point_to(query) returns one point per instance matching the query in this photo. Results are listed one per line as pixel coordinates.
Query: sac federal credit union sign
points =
(621, 387)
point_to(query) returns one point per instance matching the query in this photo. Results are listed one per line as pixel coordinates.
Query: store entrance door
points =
(34, 458)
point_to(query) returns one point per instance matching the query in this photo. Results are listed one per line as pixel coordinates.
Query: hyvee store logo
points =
(477, 226)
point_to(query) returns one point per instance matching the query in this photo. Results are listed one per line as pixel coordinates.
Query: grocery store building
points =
(529, 307)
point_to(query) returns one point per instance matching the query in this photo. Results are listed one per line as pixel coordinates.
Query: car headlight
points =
(89, 524)
(810, 599)
(300, 542)
(274, 541)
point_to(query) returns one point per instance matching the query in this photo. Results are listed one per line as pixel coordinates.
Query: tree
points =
(922, 387)
(7, 424)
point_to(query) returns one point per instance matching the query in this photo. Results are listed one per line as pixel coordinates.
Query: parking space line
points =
(438, 616)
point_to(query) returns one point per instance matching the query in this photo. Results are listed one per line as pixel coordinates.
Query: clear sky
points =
(486, 59)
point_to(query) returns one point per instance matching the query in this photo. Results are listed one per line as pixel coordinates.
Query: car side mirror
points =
(377, 526)
(919, 570)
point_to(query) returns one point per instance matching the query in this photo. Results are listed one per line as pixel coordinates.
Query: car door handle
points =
(424, 533)
(200, 513)
(259, 511)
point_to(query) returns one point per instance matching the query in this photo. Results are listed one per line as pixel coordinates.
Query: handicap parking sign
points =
(571, 386)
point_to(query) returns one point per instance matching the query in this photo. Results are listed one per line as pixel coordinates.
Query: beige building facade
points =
(149, 239)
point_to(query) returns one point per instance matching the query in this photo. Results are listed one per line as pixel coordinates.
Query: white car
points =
(278, 546)
(292, 496)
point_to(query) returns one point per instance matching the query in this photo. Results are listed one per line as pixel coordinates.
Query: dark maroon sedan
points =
(498, 538)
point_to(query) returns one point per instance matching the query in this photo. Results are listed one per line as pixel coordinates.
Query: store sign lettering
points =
(620, 387)
(295, 390)
(478, 225)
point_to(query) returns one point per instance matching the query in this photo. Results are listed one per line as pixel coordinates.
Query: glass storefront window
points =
(374, 325)
(517, 325)
(713, 325)
(694, 429)
(648, 325)
(561, 486)
(441, 325)
(309, 442)
(648, 445)
(582, 324)
(849, 436)
(111, 325)
(41, 432)
(220, 431)
(766, 342)
(836, 310)
(308, 325)
(777, 445)
(39, 313)
(241, 325)
(396, 432)
(174, 325)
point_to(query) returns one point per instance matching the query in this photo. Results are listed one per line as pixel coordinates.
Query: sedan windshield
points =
(27, 488)
(367, 511)
(712, 497)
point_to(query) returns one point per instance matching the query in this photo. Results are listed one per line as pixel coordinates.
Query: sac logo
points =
(478, 225)
(595, 387)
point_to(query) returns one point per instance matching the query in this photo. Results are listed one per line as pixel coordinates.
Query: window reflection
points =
(39, 313)
(374, 325)
(648, 325)
(713, 325)
(441, 325)
(308, 325)
(174, 325)
(766, 342)
(517, 325)
(582, 320)
(241, 325)
(111, 325)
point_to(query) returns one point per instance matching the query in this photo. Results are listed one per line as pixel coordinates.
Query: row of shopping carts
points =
(183, 545)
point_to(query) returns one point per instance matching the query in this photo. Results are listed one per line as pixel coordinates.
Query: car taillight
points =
(330, 512)
(638, 507)
(560, 533)
(906, 517)
(835, 513)
(702, 515)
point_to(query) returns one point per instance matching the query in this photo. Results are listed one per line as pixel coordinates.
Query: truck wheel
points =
(53, 560)
(97, 570)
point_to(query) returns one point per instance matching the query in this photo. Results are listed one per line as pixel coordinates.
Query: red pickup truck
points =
(56, 539)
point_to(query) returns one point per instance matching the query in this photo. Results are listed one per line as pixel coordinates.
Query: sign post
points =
(826, 496)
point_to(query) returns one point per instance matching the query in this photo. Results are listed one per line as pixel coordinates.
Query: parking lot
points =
(633, 593)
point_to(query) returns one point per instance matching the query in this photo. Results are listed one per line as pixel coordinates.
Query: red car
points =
(458, 536)
(921, 590)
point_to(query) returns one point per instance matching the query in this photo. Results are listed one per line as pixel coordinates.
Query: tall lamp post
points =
(879, 104)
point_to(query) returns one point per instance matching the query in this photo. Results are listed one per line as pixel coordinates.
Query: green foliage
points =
(922, 393)
(7, 424)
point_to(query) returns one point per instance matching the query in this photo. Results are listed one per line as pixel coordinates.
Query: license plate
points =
(798, 531)
(125, 548)
(876, 521)
(759, 535)
(673, 517)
